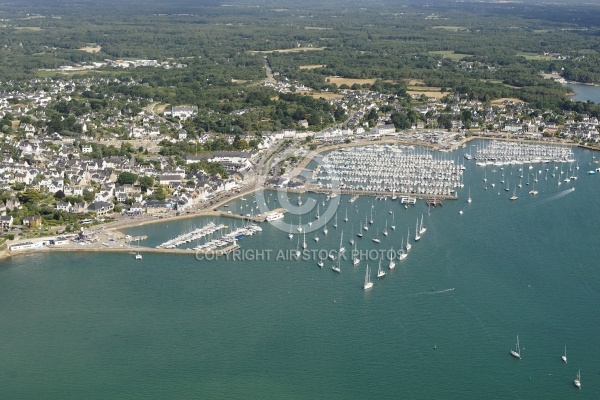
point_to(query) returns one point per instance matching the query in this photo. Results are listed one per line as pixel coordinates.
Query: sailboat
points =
(318, 214)
(325, 230)
(577, 381)
(320, 264)
(403, 254)
(417, 234)
(385, 231)
(564, 357)
(335, 223)
(516, 353)
(371, 220)
(290, 235)
(393, 226)
(366, 226)
(355, 258)
(422, 229)
(298, 248)
(304, 241)
(514, 196)
(299, 228)
(346, 217)
(138, 256)
(376, 239)
(392, 264)
(316, 239)
(336, 267)
(469, 198)
(342, 248)
(408, 245)
(368, 284)
(380, 272)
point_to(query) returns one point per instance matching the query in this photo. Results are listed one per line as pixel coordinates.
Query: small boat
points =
(469, 198)
(355, 258)
(380, 272)
(517, 352)
(346, 217)
(408, 245)
(368, 284)
(564, 357)
(317, 239)
(336, 267)
(320, 264)
(376, 240)
(392, 263)
(304, 245)
(422, 229)
(417, 234)
(325, 231)
(514, 196)
(138, 256)
(385, 231)
(577, 381)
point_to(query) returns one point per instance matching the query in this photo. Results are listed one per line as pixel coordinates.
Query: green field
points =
(450, 54)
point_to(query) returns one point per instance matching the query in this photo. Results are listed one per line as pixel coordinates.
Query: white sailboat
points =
(366, 225)
(304, 241)
(408, 245)
(290, 235)
(298, 248)
(325, 231)
(355, 258)
(577, 381)
(368, 284)
(342, 248)
(393, 226)
(320, 264)
(385, 231)
(392, 263)
(336, 267)
(469, 198)
(417, 234)
(335, 222)
(403, 254)
(371, 220)
(138, 256)
(564, 357)
(316, 239)
(299, 228)
(346, 217)
(514, 196)
(318, 213)
(517, 352)
(380, 272)
(422, 229)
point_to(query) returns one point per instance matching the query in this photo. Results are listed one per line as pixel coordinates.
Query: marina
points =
(389, 170)
(496, 152)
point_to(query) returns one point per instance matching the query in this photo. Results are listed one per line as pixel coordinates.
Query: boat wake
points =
(436, 292)
(556, 196)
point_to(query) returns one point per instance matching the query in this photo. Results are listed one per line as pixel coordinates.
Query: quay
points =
(252, 218)
(382, 193)
(141, 250)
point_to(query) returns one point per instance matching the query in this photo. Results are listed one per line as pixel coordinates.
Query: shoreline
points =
(117, 227)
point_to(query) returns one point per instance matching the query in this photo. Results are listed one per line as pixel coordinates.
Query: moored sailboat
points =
(368, 284)
(517, 352)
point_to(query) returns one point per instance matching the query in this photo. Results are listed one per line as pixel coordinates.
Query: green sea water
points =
(104, 326)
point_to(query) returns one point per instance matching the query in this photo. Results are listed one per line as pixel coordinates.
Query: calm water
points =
(585, 92)
(104, 326)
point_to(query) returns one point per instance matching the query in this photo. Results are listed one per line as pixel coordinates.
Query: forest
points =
(481, 50)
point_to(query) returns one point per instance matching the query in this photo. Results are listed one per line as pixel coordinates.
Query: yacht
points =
(577, 381)
(368, 284)
(517, 352)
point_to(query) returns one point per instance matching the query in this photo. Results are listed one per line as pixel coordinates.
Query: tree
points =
(146, 182)
(126, 178)
(59, 194)
(89, 195)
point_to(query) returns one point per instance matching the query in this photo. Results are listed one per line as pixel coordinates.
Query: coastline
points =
(114, 228)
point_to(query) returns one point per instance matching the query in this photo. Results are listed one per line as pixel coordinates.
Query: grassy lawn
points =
(534, 56)
(311, 66)
(450, 54)
(450, 28)
(292, 50)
